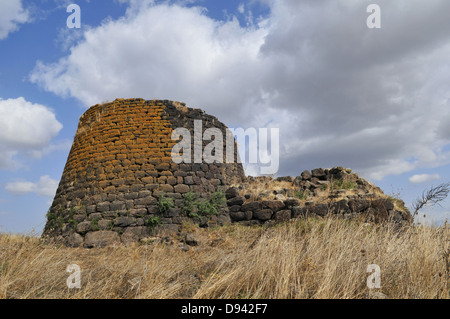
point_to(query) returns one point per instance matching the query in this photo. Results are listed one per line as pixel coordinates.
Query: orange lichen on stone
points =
(121, 162)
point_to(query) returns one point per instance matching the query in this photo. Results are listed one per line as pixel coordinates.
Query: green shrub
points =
(51, 218)
(189, 203)
(94, 224)
(50, 215)
(60, 222)
(218, 199)
(206, 208)
(302, 194)
(71, 221)
(152, 222)
(341, 184)
(164, 204)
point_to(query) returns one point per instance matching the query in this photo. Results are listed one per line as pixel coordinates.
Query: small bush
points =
(218, 199)
(51, 218)
(343, 184)
(189, 203)
(302, 194)
(94, 224)
(152, 222)
(164, 204)
(206, 208)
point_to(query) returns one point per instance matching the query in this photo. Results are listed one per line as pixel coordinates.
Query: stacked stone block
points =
(366, 200)
(120, 170)
(120, 165)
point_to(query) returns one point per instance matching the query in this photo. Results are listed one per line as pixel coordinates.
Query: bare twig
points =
(432, 196)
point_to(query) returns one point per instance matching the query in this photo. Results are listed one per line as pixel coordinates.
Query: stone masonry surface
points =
(120, 184)
(120, 167)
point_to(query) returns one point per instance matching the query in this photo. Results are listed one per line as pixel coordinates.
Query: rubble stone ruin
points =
(121, 184)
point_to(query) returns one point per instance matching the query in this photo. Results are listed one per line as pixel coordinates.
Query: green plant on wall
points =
(189, 203)
(60, 222)
(94, 224)
(71, 221)
(302, 194)
(152, 221)
(218, 199)
(205, 207)
(344, 184)
(164, 204)
(51, 218)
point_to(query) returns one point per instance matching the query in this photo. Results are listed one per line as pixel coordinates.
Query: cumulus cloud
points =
(26, 129)
(12, 14)
(421, 178)
(375, 100)
(46, 187)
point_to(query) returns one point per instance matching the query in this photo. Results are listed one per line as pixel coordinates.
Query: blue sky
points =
(374, 100)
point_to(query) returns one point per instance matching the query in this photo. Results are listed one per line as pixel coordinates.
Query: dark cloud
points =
(342, 94)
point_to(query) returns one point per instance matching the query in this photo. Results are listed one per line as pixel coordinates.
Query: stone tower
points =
(120, 166)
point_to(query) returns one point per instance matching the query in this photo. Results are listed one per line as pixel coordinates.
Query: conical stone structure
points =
(120, 182)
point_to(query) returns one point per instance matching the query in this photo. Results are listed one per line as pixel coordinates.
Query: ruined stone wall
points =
(119, 167)
(322, 192)
(121, 184)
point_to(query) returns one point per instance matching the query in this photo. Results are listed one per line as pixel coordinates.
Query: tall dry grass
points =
(313, 258)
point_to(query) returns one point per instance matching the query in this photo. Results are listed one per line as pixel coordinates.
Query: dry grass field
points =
(312, 258)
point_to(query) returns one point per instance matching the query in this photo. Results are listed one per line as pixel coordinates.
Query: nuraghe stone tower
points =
(121, 183)
(120, 168)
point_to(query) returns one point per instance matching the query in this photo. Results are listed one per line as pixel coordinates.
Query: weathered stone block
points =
(100, 239)
(318, 172)
(263, 214)
(181, 188)
(134, 234)
(274, 205)
(358, 205)
(235, 208)
(189, 180)
(95, 216)
(237, 216)
(321, 209)
(104, 224)
(239, 200)
(306, 175)
(253, 206)
(298, 211)
(124, 221)
(283, 215)
(149, 200)
(103, 207)
(117, 205)
(84, 227)
(138, 212)
(167, 229)
(166, 188)
(75, 240)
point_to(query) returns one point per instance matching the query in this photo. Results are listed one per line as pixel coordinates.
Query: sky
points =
(375, 100)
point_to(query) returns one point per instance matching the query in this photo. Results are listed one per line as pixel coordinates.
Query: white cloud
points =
(421, 178)
(342, 94)
(241, 8)
(46, 187)
(26, 128)
(12, 14)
